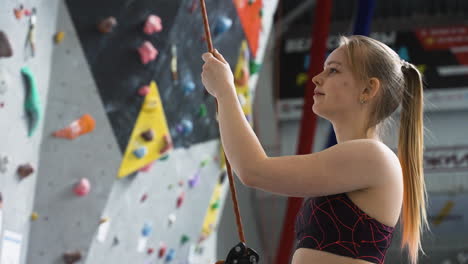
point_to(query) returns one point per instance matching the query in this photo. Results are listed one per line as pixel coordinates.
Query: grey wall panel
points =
(127, 214)
(14, 141)
(68, 222)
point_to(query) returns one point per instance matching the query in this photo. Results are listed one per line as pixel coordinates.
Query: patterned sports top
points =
(335, 224)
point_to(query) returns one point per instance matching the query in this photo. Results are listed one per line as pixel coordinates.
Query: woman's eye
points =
(332, 70)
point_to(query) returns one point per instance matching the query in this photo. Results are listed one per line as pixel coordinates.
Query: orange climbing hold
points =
(81, 126)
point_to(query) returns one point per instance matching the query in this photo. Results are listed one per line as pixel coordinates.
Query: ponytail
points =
(410, 153)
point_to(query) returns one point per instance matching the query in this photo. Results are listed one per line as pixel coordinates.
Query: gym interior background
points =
(109, 145)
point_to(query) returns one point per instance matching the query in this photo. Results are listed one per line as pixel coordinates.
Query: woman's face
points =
(337, 91)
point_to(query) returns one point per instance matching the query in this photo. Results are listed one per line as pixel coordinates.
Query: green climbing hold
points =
(254, 67)
(184, 239)
(202, 111)
(261, 12)
(215, 205)
(165, 157)
(204, 162)
(32, 105)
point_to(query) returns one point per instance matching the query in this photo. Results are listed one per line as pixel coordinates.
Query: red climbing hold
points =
(147, 52)
(107, 25)
(153, 24)
(180, 199)
(150, 251)
(82, 188)
(144, 197)
(162, 250)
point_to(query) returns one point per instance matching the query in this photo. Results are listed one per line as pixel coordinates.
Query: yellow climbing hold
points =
(59, 36)
(34, 216)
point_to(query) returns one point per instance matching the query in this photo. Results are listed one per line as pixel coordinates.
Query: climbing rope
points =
(232, 186)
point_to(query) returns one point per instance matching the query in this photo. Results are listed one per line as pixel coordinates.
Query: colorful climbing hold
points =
(147, 52)
(153, 24)
(82, 188)
(222, 25)
(172, 218)
(170, 255)
(4, 161)
(203, 163)
(107, 25)
(143, 91)
(162, 250)
(144, 197)
(181, 183)
(185, 127)
(150, 251)
(72, 257)
(175, 74)
(254, 67)
(215, 205)
(140, 152)
(202, 111)
(25, 170)
(5, 46)
(167, 145)
(193, 181)
(164, 157)
(189, 87)
(180, 199)
(147, 229)
(32, 103)
(34, 216)
(115, 241)
(184, 239)
(85, 124)
(59, 36)
(148, 135)
(147, 167)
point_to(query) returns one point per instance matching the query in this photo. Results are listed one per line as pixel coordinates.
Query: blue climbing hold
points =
(170, 256)
(147, 229)
(140, 152)
(185, 127)
(189, 87)
(223, 24)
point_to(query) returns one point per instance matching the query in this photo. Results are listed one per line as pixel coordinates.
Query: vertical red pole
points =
(318, 49)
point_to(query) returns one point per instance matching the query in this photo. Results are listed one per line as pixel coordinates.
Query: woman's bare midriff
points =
(313, 256)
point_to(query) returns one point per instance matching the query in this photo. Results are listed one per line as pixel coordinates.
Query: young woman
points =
(358, 188)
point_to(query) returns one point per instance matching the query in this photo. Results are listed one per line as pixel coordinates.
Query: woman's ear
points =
(371, 89)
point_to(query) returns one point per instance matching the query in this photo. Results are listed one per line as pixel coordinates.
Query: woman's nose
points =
(317, 80)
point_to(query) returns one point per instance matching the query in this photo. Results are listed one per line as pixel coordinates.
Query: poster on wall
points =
(440, 53)
(446, 169)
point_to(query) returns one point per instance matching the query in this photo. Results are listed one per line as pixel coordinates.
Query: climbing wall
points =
(126, 153)
(20, 136)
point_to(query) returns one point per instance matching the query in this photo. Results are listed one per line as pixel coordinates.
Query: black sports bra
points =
(335, 224)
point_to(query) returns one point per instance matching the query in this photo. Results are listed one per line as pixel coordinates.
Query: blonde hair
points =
(401, 84)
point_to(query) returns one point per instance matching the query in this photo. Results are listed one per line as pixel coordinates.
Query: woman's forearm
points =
(241, 145)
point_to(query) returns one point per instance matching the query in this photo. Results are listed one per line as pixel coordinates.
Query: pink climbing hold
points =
(82, 188)
(143, 91)
(153, 24)
(147, 167)
(147, 52)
